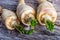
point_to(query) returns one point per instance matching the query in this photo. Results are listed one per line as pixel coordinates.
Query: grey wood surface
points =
(41, 32)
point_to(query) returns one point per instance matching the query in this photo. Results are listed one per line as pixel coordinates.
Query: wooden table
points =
(41, 32)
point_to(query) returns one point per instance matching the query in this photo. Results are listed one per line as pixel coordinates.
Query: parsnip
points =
(25, 12)
(46, 10)
(9, 18)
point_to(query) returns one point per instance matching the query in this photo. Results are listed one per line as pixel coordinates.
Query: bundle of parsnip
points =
(46, 14)
(26, 15)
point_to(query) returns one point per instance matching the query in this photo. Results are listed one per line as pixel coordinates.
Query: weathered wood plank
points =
(12, 4)
(56, 3)
(58, 19)
(41, 32)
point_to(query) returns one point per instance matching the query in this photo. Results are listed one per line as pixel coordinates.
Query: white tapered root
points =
(9, 18)
(46, 10)
(24, 12)
(21, 2)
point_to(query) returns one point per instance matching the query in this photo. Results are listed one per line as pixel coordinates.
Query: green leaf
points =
(29, 31)
(19, 28)
(49, 24)
(32, 23)
(23, 31)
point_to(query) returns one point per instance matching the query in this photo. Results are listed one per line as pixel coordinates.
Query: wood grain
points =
(41, 32)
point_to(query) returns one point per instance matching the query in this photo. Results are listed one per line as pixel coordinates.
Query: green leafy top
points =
(33, 23)
(23, 31)
(49, 24)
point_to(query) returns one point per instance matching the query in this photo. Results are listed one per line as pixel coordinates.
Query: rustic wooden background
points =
(41, 32)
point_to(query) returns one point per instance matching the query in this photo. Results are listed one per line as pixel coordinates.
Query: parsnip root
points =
(25, 12)
(9, 18)
(46, 10)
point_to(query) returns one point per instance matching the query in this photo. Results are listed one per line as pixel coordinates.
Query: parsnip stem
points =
(33, 23)
(49, 24)
(22, 30)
